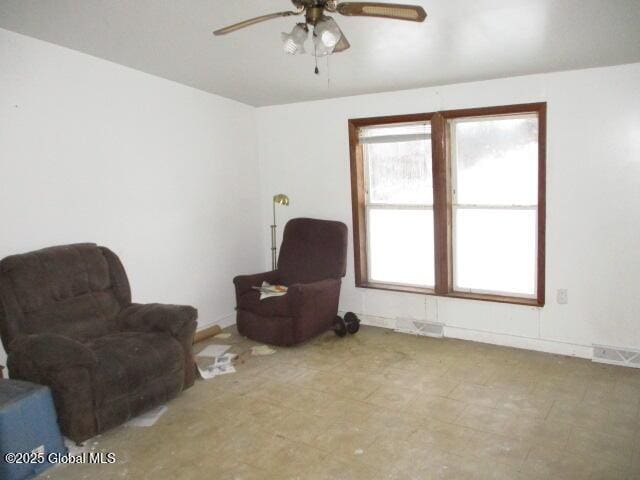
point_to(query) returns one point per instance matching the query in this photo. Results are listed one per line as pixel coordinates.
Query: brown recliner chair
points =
(312, 261)
(67, 322)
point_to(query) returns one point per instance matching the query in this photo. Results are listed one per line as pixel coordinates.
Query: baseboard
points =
(374, 321)
(411, 326)
(504, 340)
(222, 322)
(525, 343)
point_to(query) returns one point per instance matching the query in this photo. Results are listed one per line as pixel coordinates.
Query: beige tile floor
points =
(385, 405)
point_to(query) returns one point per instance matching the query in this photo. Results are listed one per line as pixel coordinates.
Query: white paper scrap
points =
(262, 350)
(213, 350)
(214, 370)
(267, 290)
(207, 373)
(224, 369)
(75, 449)
(149, 418)
(224, 359)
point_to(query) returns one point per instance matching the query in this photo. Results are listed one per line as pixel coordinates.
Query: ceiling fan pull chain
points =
(315, 55)
(328, 74)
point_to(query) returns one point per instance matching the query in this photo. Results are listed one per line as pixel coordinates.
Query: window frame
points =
(443, 201)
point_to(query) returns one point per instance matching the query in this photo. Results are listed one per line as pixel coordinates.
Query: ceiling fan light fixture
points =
(327, 30)
(319, 48)
(327, 36)
(293, 43)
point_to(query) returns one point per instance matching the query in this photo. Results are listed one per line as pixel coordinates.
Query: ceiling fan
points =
(327, 36)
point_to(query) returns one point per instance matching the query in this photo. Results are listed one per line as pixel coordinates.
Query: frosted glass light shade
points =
(328, 32)
(319, 48)
(293, 43)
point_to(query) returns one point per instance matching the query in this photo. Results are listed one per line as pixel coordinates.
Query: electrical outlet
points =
(563, 296)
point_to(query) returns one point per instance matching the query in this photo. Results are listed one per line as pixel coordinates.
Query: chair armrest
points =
(157, 317)
(179, 321)
(313, 306)
(303, 295)
(313, 288)
(244, 283)
(51, 352)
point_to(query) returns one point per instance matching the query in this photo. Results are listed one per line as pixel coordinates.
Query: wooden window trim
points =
(442, 206)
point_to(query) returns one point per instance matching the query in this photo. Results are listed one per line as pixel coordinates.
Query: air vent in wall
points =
(616, 356)
(416, 327)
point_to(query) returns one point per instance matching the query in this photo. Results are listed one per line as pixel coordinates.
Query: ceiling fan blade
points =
(413, 13)
(342, 45)
(253, 21)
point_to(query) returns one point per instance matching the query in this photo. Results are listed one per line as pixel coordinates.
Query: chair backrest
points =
(72, 290)
(312, 250)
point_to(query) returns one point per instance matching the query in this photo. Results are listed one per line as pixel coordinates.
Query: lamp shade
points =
(281, 199)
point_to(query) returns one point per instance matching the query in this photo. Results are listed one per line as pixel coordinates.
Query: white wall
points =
(593, 202)
(167, 176)
(163, 174)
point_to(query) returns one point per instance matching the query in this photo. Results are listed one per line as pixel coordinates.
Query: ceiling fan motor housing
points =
(330, 4)
(313, 14)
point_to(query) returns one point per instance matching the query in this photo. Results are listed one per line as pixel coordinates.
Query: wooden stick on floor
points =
(206, 333)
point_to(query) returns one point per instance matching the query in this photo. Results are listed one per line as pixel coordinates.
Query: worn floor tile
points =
(607, 448)
(444, 437)
(435, 407)
(498, 448)
(477, 394)
(556, 463)
(393, 398)
(386, 405)
(344, 436)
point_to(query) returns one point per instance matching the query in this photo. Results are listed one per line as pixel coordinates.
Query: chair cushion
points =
(129, 361)
(269, 307)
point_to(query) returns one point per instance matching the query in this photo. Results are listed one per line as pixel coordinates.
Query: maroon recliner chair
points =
(312, 262)
(67, 321)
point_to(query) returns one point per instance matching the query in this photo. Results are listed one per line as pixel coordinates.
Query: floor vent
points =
(416, 327)
(626, 357)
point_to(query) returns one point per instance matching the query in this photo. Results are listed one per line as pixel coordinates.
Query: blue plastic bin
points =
(27, 423)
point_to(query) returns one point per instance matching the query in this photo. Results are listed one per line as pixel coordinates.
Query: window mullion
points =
(441, 204)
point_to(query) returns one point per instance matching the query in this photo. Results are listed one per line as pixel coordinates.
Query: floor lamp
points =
(279, 199)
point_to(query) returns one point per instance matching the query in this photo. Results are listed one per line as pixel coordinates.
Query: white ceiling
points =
(461, 40)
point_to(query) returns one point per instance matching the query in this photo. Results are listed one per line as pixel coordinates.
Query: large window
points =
(451, 203)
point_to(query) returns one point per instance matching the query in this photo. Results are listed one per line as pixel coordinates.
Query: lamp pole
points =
(273, 239)
(280, 199)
